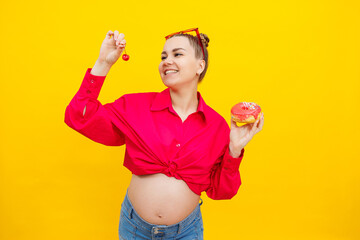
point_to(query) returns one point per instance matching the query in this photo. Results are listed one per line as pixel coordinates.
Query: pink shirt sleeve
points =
(225, 176)
(86, 115)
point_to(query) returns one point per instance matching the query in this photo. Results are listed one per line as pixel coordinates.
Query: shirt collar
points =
(163, 100)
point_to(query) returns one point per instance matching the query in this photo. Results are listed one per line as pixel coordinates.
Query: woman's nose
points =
(168, 61)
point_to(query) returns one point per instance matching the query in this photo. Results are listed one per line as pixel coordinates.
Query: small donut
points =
(245, 112)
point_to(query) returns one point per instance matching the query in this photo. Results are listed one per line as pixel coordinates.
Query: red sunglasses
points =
(190, 30)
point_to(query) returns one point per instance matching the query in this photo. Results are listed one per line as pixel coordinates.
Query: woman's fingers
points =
(254, 127)
(261, 123)
(117, 37)
(109, 34)
(122, 44)
(120, 39)
(116, 34)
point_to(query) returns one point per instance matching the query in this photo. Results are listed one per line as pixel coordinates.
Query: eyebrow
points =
(174, 50)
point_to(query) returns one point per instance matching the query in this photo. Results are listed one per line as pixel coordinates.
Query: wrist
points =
(235, 151)
(100, 68)
(235, 154)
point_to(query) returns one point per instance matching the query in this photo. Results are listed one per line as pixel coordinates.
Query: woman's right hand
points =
(112, 47)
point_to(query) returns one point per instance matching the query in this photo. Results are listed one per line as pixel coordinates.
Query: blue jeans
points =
(133, 227)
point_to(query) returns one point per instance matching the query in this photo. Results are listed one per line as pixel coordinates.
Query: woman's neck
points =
(184, 101)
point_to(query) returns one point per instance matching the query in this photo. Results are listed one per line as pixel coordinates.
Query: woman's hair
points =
(194, 42)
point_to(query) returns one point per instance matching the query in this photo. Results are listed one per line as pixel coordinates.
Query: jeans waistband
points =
(177, 227)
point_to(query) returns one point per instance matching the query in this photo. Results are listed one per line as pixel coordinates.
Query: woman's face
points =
(179, 66)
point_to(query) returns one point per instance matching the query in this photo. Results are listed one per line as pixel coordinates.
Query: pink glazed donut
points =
(245, 112)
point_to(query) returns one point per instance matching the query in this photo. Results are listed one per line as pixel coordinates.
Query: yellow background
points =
(299, 60)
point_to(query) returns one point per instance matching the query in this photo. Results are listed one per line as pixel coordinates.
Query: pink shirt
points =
(157, 141)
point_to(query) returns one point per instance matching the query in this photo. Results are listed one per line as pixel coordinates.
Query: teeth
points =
(170, 71)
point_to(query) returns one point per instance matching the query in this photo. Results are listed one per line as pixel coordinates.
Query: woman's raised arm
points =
(85, 113)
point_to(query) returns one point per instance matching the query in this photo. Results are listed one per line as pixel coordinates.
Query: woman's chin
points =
(175, 83)
(170, 82)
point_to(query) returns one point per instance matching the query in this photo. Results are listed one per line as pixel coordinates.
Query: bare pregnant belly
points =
(161, 200)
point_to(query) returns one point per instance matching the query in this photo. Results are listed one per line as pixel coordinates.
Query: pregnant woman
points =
(176, 145)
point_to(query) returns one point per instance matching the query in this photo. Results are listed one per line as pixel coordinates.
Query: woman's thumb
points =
(233, 123)
(109, 34)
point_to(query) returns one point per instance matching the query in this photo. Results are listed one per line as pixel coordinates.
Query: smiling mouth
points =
(170, 72)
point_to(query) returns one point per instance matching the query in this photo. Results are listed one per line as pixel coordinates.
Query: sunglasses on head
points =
(190, 30)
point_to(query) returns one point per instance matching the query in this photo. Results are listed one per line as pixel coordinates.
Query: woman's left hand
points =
(240, 136)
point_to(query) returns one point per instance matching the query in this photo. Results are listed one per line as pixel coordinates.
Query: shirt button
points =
(88, 91)
(92, 81)
(178, 145)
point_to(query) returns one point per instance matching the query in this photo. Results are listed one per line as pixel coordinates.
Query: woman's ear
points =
(201, 67)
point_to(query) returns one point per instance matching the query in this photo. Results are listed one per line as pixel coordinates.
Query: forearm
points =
(98, 121)
(84, 104)
(225, 179)
(100, 68)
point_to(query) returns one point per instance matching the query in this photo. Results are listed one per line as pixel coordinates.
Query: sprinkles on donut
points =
(245, 112)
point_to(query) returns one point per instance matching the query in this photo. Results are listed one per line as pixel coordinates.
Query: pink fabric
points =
(157, 141)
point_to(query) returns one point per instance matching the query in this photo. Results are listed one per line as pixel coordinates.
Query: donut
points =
(245, 112)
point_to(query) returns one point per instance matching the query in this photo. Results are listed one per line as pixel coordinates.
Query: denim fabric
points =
(133, 227)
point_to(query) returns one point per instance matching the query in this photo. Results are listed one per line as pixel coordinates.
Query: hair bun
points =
(204, 39)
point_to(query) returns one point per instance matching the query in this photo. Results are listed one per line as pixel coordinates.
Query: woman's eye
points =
(176, 54)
